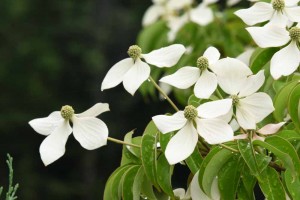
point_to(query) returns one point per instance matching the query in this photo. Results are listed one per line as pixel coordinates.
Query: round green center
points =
(190, 112)
(235, 99)
(202, 63)
(67, 112)
(134, 52)
(278, 5)
(295, 33)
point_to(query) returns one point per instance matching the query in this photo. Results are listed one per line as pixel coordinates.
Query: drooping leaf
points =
(194, 161)
(164, 175)
(260, 58)
(247, 183)
(132, 181)
(147, 189)
(271, 185)
(292, 184)
(294, 105)
(281, 100)
(164, 140)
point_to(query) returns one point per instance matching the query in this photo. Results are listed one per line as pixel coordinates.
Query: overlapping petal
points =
(257, 13)
(184, 78)
(253, 83)
(46, 125)
(196, 192)
(214, 131)
(206, 85)
(116, 74)
(135, 76)
(166, 124)
(269, 36)
(285, 61)
(231, 74)
(293, 13)
(270, 128)
(90, 132)
(53, 147)
(212, 54)
(202, 15)
(166, 56)
(182, 144)
(152, 14)
(214, 109)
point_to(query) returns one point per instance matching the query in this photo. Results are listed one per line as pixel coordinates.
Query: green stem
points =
(229, 148)
(219, 94)
(122, 142)
(163, 93)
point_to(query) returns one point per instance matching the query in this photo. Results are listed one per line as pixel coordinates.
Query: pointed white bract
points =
(133, 72)
(88, 130)
(204, 79)
(212, 129)
(286, 60)
(280, 12)
(236, 79)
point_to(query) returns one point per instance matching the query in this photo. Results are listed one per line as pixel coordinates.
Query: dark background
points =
(57, 52)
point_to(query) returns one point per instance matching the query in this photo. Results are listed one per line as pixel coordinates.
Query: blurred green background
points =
(57, 52)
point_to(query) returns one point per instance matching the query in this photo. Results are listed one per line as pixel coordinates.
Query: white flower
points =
(236, 79)
(198, 194)
(181, 194)
(213, 130)
(203, 14)
(279, 12)
(88, 130)
(133, 71)
(287, 59)
(154, 12)
(204, 80)
(246, 56)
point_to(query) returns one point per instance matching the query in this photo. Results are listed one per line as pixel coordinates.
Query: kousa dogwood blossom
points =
(180, 194)
(88, 130)
(133, 71)
(208, 126)
(286, 60)
(154, 12)
(280, 12)
(198, 194)
(237, 80)
(205, 81)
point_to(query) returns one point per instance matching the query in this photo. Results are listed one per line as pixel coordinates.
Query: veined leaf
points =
(164, 175)
(132, 181)
(294, 105)
(292, 185)
(260, 58)
(194, 161)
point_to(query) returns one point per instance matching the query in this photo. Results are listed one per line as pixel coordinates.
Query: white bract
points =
(280, 12)
(287, 59)
(236, 79)
(154, 12)
(212, 129)
(88, 130)
(133, 71)
(205, 81)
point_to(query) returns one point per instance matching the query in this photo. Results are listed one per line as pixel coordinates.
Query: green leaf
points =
(164, 175)
(255, 162)
(271, 185)
(281, 100)
(151, 129)
(293, 105)
(211, 166)
(147, 189)
(194, 161)
(128, 139)
(148, 153)
(164, 140)
(289, 135)
(128, 157)
(132, 182)
(284, 152)
(260, 58)
(230, 173)
(112, 187)
(247, 183)
(292, 185)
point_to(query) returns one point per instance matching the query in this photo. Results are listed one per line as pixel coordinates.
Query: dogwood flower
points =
(286, 60)
(88, 130)
(237, 80)
(212, 129)
(180, 194)
(154, 12)
(279, 12)
(133, 71)
(205, 81)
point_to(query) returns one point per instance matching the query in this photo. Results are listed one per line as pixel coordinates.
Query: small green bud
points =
(190, 112)
(295, 33)
(67, 112)
(278, 5)
(134, 52)
(202, 63)
(235, 100)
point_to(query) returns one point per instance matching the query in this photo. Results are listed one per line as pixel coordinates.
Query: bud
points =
(134, 52)
(67, 112)
(190, 112)
(295, 33)
(202, 63)
(278, 5)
